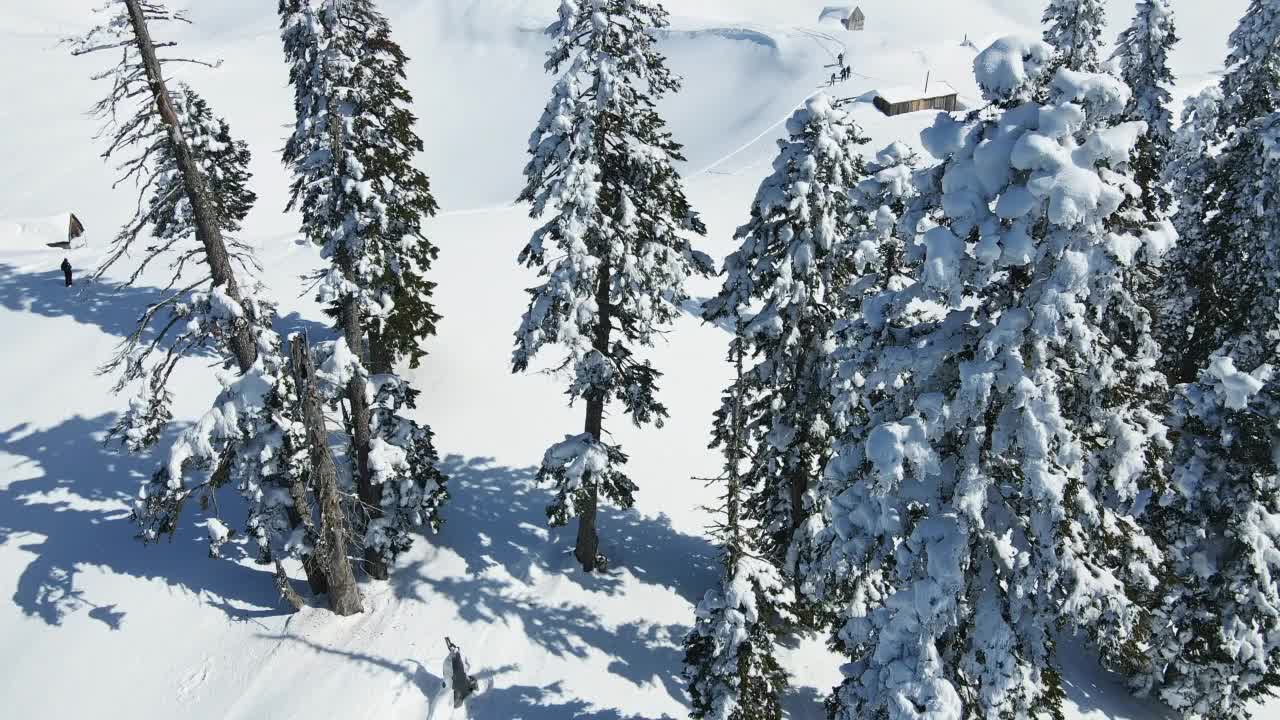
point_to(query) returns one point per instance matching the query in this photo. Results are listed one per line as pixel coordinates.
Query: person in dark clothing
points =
(66, 270)
(456, 676)
(841, 59)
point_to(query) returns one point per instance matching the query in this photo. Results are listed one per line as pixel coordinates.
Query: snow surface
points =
(32, 233)
(95, 625)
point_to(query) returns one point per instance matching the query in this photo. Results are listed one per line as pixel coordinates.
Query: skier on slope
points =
(66, 270)
(456, 677)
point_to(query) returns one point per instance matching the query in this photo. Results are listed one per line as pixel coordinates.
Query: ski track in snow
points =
(773, 129)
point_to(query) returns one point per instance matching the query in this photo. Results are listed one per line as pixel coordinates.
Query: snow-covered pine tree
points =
(1217, 645)
(192, 176)
(795, 260)
(1191, 159)
(1222, 267)
(362, 203)
(1073, 28)
(730, 655)
(1143, 53)
(979, 509)
(614, 253)
(884, 265)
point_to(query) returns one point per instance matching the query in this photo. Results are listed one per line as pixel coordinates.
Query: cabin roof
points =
(837, 12)
(907, 93)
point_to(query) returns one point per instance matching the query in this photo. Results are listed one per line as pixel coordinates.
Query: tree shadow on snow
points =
(528, 702)
(113, 310)
(804, 703)
(496, 521)
(413, 670)
(1093, 689)
(74, 515)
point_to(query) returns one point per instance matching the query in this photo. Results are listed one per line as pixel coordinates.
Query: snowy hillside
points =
(95, 625)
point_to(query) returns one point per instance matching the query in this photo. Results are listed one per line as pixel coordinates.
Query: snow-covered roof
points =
(907, 93)
(838, 13)
(33, 232)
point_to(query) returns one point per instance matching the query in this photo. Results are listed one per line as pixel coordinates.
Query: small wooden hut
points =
(75, 228)
(857, 21)
(898, 101)
(850, 18)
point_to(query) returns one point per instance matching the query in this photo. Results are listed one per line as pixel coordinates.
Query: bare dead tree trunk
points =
(344, 595)
(588, 547)
(300, 517)
(287, 592)
(208, 231)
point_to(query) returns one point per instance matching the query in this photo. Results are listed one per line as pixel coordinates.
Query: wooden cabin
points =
(898, 101)
(75, 229)
(852, 19)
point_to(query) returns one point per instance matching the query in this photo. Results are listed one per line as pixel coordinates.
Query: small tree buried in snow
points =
(730, 655)
(362, 203)
(794, 259)
(980, 508)
(613, 254)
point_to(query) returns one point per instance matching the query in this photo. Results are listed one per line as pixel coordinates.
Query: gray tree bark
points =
(287, 592)
(208, 231)
(587, 550)
(300, 517)
(344, 595)
(733, 503)
(361, 420)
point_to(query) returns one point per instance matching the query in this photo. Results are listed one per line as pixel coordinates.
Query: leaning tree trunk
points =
(588, 547)
(203, 210)
(344, 595)
(300, 517)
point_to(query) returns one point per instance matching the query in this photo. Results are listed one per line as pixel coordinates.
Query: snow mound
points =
(1008, 69)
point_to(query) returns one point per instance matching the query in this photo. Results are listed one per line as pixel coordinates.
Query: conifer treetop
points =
(1074, 29)
(602, 167)
(352, 150)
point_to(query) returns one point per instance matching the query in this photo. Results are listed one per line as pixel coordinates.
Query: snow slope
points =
(95, 625)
